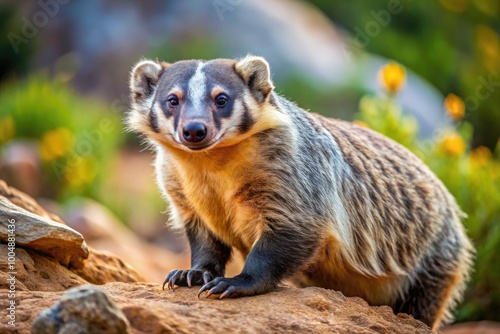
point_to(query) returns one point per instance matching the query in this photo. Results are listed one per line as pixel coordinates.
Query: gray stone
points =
(81, 310)
(61, 242)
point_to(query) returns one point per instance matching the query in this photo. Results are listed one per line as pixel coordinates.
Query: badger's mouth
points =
(200, 146)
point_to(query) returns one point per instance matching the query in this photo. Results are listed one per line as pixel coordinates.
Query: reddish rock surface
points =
(37, 272)
(151, 310)
(42, 278)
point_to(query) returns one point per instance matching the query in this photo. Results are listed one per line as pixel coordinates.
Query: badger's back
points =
(403, 221)
(394, 204)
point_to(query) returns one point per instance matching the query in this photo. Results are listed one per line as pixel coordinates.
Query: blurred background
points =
(425, 73)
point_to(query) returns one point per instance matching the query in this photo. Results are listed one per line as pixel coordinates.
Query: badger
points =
(315, 200)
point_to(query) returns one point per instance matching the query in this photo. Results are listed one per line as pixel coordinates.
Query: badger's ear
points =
(256, 74)
(144, 78)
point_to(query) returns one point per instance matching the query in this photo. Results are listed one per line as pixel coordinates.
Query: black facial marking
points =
(225, 112)
(273, 102)
(246, 119)
(176, 120)
(217, 119)
(167, 112)
(153, 121)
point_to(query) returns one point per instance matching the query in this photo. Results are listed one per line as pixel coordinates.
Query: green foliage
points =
(472, 176)
(454, 45)
(75, 137)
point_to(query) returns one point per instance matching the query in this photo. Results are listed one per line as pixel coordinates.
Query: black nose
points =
(194, 132)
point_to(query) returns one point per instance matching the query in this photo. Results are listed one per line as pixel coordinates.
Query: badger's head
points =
(198, 105)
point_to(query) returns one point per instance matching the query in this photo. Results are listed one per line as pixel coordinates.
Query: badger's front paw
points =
(238, 286)
(186, 278)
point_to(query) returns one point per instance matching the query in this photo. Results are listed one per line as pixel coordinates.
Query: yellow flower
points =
(454, 106)
(83, 172)
(481, 155)
(7, 129)
(361, 123)
(55, 143)
(452, 144)
(454, 5)
(392, 77)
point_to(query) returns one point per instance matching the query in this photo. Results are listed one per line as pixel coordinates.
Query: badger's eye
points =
(173, 101)
(221, 100)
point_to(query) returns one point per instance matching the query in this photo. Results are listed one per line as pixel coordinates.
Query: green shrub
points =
(76, 137)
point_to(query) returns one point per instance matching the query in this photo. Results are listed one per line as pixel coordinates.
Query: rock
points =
(36, 272)
(35, 236)
(85, 309)
(103, 267)
(286, 310)
(61, 242)
(26, 202)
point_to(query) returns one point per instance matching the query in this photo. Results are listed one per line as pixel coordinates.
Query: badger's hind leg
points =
(430, 302)
(439, 281)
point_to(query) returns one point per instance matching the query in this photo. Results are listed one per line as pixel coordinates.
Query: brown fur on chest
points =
(208, 187)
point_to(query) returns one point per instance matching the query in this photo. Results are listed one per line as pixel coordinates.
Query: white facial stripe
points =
(197, 87)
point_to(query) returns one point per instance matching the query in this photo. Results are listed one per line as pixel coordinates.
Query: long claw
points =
(230, 292)
(172, 282)
(164, 282)
(203, 289)
(207, 277)
(188, 278)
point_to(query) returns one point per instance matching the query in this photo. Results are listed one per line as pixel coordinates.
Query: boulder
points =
(85, 309)
(42, 234)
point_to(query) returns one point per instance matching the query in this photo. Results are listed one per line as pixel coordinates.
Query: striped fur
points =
(317, 200)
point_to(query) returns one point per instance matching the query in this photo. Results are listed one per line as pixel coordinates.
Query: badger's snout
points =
(194, 132)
